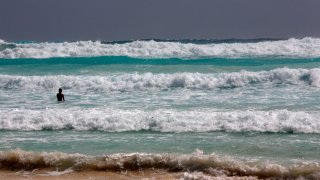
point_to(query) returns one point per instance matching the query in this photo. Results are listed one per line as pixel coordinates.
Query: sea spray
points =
(202, 120)
(303, 48)
(131, 82)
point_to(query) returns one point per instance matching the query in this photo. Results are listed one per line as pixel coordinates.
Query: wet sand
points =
(103, 175)
(82, 175)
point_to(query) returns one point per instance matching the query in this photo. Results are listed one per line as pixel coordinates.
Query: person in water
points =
(60, 96)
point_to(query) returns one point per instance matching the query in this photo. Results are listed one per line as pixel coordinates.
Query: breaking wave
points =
(117, 120)
(213, 165)
(130, 82)
(291, 48)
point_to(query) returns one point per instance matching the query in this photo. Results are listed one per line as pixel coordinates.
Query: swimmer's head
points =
(60, 90)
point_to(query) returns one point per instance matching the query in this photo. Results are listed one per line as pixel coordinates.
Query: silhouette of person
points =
(60, 96)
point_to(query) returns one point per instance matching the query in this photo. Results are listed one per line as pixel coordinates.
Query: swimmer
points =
(60, 96)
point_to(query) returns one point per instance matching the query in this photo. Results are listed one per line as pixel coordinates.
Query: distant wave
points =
(291, 48)
(198, 41)
(130, 82)
(162, 120)
(213, 165)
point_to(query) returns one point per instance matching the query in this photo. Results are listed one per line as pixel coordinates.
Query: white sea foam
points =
(129, 82)
(162, 120)
(298, 48)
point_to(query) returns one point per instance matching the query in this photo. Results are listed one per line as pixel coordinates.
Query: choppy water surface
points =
(246, 104)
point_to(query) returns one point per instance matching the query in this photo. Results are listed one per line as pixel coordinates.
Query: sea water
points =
(240, 107)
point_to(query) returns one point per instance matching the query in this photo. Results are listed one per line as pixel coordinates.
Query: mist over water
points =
(256, 102)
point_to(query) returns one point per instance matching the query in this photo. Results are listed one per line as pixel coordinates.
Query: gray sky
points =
(48, 20)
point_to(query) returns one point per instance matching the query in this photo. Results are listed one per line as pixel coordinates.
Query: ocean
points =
(221, 108)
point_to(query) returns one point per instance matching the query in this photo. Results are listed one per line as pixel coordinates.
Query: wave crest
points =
(130, 82)
(297, 48)
(116, 120)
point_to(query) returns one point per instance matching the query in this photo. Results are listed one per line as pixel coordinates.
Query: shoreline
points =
(48, 174)
(19, 164)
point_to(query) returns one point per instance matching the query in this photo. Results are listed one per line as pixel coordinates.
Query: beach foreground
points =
(19, 164)
(48, 174)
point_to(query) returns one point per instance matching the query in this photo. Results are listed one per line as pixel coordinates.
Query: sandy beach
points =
(99, 175)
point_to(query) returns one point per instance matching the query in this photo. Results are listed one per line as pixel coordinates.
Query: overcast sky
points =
(59, 20)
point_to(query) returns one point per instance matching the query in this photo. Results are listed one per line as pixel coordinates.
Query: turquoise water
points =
(257, 104)
(263, 146)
